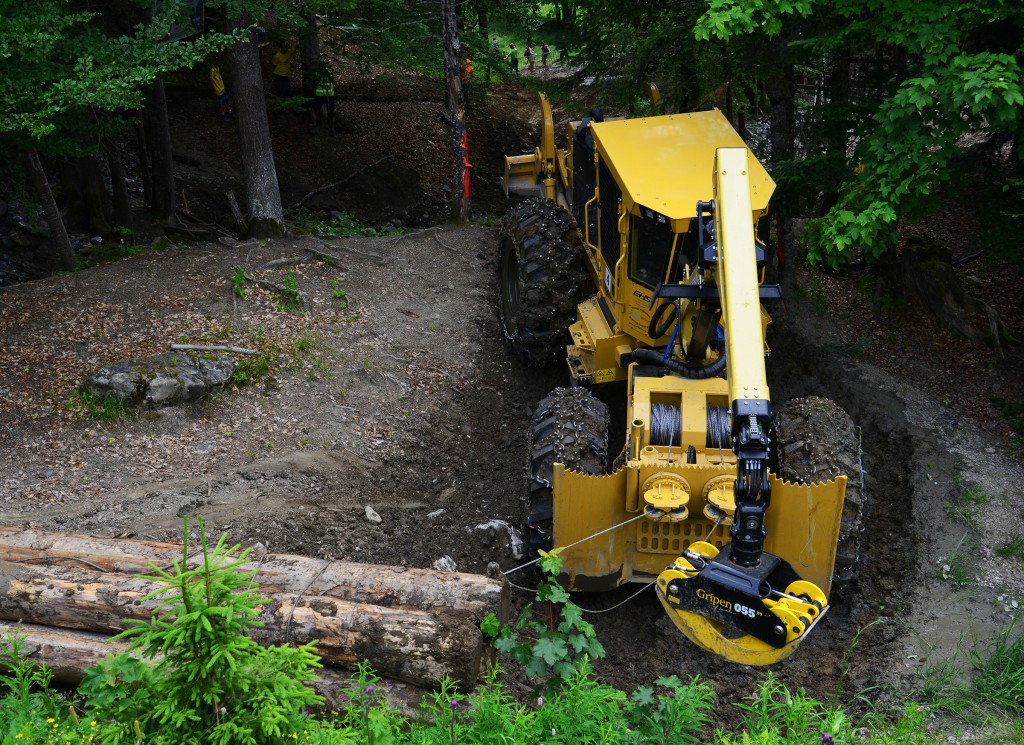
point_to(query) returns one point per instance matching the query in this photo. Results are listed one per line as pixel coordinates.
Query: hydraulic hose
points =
(654, 357)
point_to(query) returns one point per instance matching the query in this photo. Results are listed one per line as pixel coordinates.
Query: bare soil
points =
(402, 396)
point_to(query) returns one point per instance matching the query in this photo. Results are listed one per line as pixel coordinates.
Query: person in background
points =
(323, 98)
(545, 50)
(495, 46)
(513, 59)
(531, 57)
(220, 93)
(281, 67)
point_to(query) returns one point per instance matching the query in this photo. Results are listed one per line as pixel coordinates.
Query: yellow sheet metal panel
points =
(665, 162)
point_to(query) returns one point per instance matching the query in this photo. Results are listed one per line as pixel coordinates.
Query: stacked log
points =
(413, 625)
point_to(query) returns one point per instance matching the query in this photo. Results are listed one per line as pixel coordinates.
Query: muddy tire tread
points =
(570, 426)
(817, 441)
(540, 251)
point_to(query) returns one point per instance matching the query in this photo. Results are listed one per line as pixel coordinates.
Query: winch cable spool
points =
(666, 425)
(719, 436)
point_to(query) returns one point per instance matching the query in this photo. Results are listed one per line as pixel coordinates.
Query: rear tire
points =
(817, 441)
(541, 279)
(570, 427)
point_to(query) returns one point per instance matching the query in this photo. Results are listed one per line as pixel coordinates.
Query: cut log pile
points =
(70, 593)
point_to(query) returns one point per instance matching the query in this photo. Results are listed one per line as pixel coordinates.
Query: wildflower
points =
(863, 731)
(454, 703)
(754, 696)
(371, 688)
(826, 738)
(553, 732)
(921, 707)
(540, 700)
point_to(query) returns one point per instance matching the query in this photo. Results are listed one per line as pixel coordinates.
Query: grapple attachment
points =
(738, 612)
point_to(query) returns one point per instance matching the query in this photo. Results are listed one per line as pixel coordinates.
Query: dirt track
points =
(408, 401)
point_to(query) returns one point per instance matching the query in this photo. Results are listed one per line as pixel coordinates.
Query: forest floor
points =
(396, 390)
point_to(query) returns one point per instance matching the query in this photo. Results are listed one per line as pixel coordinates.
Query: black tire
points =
(570, 427)
(816, 441)
(541, 279)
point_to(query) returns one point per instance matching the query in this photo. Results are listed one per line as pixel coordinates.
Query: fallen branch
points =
(287, 292)
(413, 233)
(214, 348)
(339, 183)
(287, 260)
(376, 257)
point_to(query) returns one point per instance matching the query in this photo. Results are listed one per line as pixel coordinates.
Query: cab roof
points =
(666, 162)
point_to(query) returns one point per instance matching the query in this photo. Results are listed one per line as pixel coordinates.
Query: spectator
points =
(281, 68)
(513, 59)
(531, 57)
(220, 93)
(495, 46)
(323, 98)
(545, 50)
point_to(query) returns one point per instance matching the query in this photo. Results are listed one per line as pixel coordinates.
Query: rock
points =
(164, 380)
(435, 514)
(514, 537)
(372, 516)
(445, 564)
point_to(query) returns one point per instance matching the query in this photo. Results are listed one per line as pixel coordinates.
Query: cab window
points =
(650, 246)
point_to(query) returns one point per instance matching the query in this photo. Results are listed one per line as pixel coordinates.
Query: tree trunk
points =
(67, 654)
(469, 595)
(145, 173)
(780, 89)
(58, 234)
(309, 51)
(265, 216)
(414, 625)
(94, 192)
(164, 204)
(119, 186)
(456, 104)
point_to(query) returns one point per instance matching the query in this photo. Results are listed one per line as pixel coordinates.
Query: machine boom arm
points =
(748, 387)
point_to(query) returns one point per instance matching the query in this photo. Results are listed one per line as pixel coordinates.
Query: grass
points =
(1011, 549)
(331, 225)
(86, 404)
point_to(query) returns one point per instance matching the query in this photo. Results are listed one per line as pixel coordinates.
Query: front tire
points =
(541, 279)
(571, 428)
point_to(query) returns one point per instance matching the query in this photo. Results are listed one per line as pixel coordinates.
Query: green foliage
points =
(86, 404)
(773, 715)
(333, 225)
(1011, 549)
(288, 298)
(238, 282)
(550, 648)
(31, 712)
(674, 718)
(999, 668)
(339, 296)
(200, 678)
(1013, 413)
(61, 67)
(948, 85)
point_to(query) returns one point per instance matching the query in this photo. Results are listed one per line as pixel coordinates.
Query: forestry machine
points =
(640, 238)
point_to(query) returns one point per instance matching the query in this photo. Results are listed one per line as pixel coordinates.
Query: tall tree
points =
(60, 70)
(454, 59)
(264, 213)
